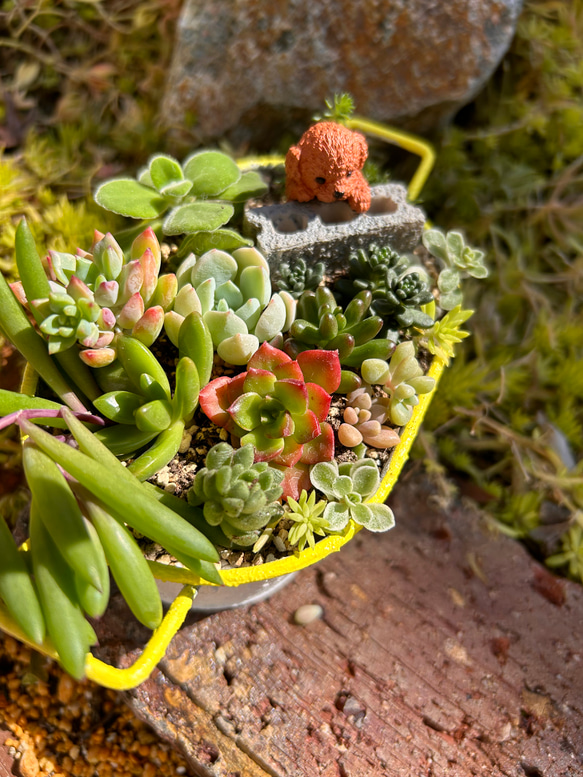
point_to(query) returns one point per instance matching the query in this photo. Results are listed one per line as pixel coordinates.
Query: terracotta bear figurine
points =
(326, 165)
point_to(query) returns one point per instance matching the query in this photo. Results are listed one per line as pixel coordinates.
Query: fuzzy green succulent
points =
(196, 198)
(233, 294)
(402, 379)
(321, 322)
(346, 486)
(297, 276)
(459, 261)
(239, 496)
(308, 520)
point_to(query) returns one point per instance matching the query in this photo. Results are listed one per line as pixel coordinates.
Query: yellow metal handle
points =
(406, 140)
(110, 676)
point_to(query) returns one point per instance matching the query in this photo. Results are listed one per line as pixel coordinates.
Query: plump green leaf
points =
(251, 184)
(222, 239)
(337, 515)
(214, 264)
(196, 216)
(434, 242)
(238, 349)
(224, 324)
(380, 518)
(176, 190)
(119, 406)
(211, 172)
(365, 480)
(448, 281)
(130, 198)
(164, 170)
(323, 476)
(455, 246)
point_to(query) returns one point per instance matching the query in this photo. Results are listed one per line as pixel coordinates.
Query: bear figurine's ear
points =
(360, 148)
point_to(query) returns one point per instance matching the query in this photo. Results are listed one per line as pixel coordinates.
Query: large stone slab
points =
(444, 650)
(247, 68)
(329, 231)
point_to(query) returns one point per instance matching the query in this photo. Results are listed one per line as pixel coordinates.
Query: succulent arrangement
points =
(302, 390)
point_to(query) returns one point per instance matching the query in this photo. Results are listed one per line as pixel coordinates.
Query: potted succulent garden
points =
(280, 410)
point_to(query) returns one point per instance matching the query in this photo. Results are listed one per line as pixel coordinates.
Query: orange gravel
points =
(60, 727)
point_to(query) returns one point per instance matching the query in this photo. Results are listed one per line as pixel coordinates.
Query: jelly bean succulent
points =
(346, 486)
(402, 379)
(321, 322)
(196, 198)
(278, 404)
(237, 494)
(233, 293)
(363, 423)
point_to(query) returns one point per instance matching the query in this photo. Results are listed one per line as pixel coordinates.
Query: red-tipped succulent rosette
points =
(279, 405)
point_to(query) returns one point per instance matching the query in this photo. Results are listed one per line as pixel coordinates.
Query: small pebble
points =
(185, 442)
(307, 613)
(279, 544)
(170, 488)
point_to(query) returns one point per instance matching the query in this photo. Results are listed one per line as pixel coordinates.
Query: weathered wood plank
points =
(443, 650)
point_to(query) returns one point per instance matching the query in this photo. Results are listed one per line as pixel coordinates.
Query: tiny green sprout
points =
(308, 520)
(441, 338)
(340, 108)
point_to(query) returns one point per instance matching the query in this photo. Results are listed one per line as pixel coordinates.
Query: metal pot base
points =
(215, 598)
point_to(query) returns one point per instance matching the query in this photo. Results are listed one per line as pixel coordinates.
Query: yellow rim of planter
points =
(130, 677)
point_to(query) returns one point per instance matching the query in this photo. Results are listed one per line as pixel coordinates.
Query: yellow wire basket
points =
(130, 677)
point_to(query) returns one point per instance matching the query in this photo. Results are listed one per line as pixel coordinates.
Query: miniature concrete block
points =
(331, 231)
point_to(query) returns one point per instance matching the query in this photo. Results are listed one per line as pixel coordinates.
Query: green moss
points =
(510, 173)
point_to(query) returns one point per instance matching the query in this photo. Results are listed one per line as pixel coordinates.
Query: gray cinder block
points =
(330, 231)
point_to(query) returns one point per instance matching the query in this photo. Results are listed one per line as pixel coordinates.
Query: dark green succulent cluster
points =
(397, 291)
(322, 323)
(297, 276)
(238, 495)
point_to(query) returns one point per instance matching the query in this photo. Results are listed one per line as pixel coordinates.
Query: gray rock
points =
(330, 231)
(247, 69)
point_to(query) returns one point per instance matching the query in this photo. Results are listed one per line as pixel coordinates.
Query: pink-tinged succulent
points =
(279, 405)
(96, 296)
